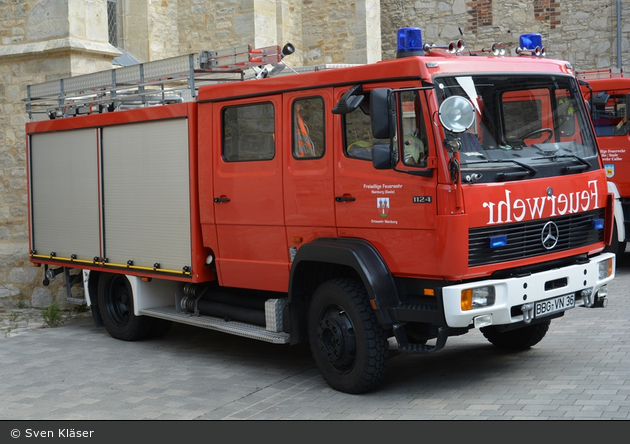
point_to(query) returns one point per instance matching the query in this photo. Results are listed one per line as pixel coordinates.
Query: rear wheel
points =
(519, 339)
(348, 344)
(115, 302)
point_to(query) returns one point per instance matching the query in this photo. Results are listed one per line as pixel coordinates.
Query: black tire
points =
(115, 301)
(348, 344)
(159, 328)
(519, 339)
(619, 248)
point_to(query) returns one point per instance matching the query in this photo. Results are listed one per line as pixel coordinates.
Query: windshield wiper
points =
(572, 169)
(513, 175)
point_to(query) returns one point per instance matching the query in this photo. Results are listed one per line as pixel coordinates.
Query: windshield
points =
(525, 125)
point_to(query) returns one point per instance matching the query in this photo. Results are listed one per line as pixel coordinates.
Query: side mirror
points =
(382, 113)
(350, 100)
(600, 99)
(382, 157)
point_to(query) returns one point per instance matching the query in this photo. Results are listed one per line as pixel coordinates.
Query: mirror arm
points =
(423, 173)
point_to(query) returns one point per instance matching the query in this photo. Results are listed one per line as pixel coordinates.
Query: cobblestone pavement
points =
(580, 370)
(17, 321)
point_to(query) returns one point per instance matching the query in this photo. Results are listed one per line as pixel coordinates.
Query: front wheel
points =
(348, 344)
(616, 246)
(519, 339)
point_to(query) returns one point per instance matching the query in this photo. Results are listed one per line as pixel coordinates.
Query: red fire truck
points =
(608, 93)
(356, 208)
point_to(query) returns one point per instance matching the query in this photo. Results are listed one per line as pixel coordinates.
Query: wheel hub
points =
(118, 300)
(336, 340)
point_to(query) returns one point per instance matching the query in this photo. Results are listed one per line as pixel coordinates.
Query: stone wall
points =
(163, 29)
(216, 25)
(322, 31)
(584, 32)
(40, 41)
(341, 31)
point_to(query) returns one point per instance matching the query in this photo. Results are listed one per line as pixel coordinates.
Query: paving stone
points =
(77, 371)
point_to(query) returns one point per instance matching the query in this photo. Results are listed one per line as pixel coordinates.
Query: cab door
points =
(248, 195)
(394, 210)
(309, 170)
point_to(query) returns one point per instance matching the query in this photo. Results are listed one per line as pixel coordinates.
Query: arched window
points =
(112, 23)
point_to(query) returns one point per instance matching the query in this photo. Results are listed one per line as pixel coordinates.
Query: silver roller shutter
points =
(146, 194)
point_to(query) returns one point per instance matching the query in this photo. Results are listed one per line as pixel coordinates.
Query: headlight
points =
(477, 297)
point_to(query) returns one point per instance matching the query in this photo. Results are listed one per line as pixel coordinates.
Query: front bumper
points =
(512, 293)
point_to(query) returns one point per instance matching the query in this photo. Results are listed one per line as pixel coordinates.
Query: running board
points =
(233, 327)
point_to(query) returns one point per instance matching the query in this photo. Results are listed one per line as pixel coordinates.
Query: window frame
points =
(294, 149)
(223, 131)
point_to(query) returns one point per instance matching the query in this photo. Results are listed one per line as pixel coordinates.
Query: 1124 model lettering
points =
(421, 199)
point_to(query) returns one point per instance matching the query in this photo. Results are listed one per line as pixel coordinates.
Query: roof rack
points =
(599, 74)
(158, 82)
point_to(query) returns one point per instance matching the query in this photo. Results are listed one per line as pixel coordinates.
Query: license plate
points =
(554, 305)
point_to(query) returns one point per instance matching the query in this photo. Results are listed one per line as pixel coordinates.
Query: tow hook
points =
(528, 312)
(588, 297)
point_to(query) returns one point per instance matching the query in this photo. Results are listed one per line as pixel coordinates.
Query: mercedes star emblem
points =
(549, 235)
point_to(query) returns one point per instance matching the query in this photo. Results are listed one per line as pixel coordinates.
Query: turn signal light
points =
(466, 300)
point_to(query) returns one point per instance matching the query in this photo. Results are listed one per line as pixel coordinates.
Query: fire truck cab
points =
(608, 94)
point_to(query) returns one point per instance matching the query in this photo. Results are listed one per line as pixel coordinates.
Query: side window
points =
(308, 128)
(415, 142)
(609, 113)
(358, 132)
(249, 132)
(565, 114)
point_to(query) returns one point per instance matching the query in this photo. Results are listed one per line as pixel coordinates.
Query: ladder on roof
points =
(158, 82)
(610, 73)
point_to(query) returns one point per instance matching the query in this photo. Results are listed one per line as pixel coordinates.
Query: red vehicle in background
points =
(608, 93)
(351, 207)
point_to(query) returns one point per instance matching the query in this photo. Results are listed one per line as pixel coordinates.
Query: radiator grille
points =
(524, 239)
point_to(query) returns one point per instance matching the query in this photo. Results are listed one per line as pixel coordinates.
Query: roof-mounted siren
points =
(453, 47)
(409, 43)
(531, 44)
(496, 49)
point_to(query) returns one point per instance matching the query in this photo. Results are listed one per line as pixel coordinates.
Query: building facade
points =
(43, 40)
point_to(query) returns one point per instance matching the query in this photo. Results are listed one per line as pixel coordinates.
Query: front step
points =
(210, 322)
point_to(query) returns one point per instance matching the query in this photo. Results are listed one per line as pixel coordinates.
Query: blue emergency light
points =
(409, 42)
(598, 224)
(530, 41)
(498, 241)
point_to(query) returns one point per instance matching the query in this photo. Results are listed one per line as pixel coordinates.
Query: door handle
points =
(345, 198)
(221, 199)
